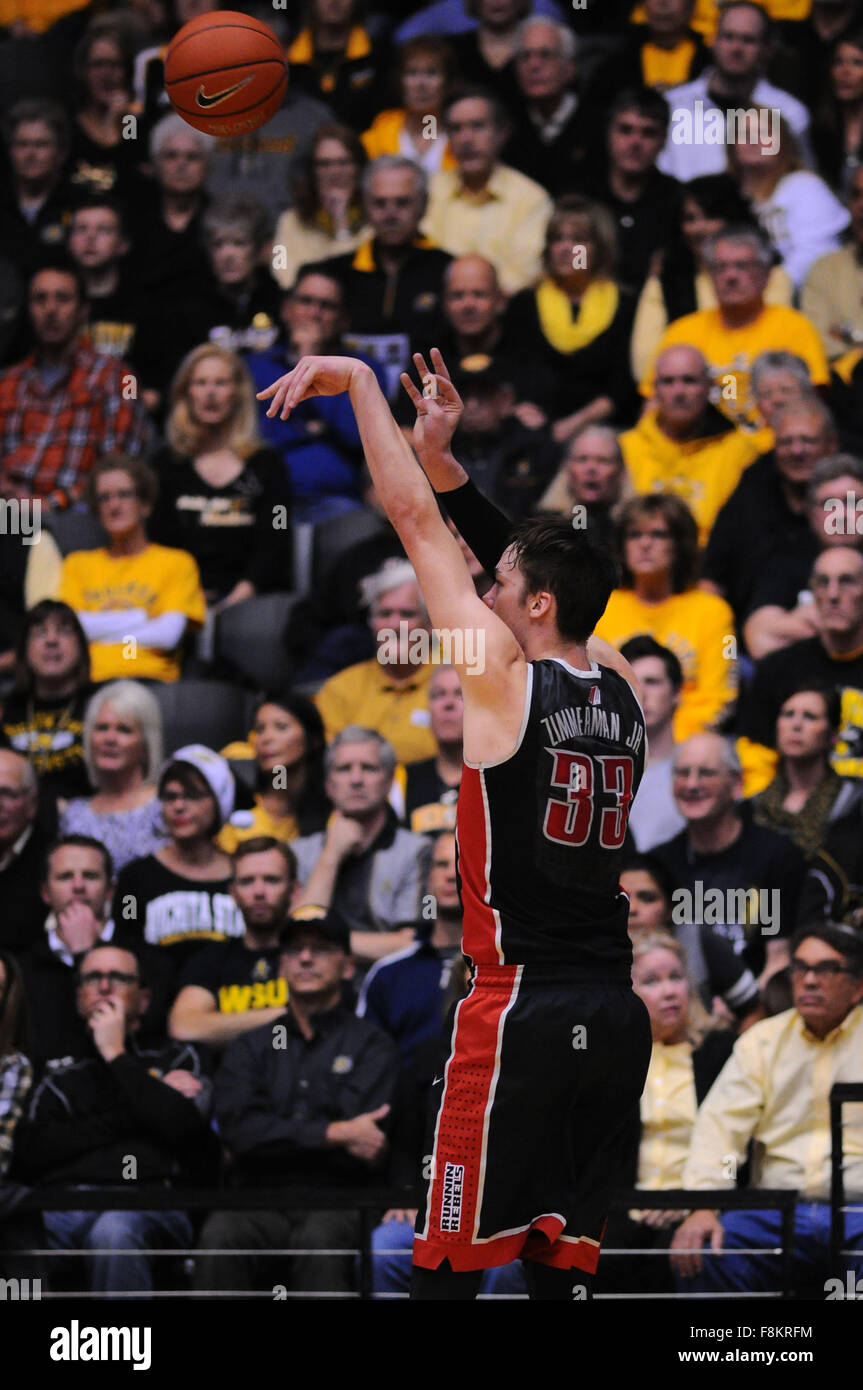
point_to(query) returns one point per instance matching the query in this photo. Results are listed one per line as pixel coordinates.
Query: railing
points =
(370, 1203)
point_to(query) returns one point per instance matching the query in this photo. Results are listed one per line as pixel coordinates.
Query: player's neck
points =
(545, 648)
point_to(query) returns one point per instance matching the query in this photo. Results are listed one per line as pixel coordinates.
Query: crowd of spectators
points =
(636, 235)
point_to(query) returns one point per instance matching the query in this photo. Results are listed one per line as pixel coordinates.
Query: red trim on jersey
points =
(479, 927)
(455, 1190)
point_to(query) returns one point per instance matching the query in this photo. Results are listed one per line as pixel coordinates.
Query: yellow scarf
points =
(567, 334)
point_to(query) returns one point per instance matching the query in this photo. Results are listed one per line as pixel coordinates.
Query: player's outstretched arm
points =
(407, 497)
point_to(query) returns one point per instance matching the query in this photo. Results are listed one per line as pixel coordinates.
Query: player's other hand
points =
(689, 1240)
(312, 376)
(437, 415)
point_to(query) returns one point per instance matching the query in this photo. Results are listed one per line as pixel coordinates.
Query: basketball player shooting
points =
(550, 1048)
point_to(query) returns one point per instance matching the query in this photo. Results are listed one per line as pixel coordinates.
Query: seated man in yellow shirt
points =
(484, 207)
(135, 601)
(388, 693)
(774, 1090)
(742, 326)
(683, 444)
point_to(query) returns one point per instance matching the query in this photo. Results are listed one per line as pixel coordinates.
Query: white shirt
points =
(653, 816)
(694, 158)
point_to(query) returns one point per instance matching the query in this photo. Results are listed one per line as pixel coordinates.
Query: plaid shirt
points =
(16, 1074)
(50, 436)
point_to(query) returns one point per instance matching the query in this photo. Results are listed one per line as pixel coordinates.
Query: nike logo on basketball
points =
(203, 100)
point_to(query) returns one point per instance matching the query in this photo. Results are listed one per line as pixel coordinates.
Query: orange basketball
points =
(225, 73)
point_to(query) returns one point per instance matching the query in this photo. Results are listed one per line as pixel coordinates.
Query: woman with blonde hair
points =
(688, 1054)
(123, 754)
(794, 207)
(223, 496)
(327, 214)
(573, 328)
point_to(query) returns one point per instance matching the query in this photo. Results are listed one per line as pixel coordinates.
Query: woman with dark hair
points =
(424, 74)
(806, 794)
(103, 159)
(837, 128)
(657, 544)
(180, 894)
(327, 214)
(134, 600)
(687, 1056)
(287, 744)
(573, 328)
(680, 282)
(43, 718)
(16, 1073)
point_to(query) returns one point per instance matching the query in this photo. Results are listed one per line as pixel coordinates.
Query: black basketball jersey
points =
(540, 834)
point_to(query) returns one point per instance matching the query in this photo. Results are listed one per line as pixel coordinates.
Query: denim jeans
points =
(759, 1273)
(118, 1233)
(392, 1244)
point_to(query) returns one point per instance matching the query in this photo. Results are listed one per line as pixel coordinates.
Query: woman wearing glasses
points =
(178, 898)
(122, 753)
(657, 543)
(136, 601)
(327, 215)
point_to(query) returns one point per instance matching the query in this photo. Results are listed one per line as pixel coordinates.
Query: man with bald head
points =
(765, 516)
(683, 444)
(473, 306)
(740, 878)
(22, 852)
(834, 656)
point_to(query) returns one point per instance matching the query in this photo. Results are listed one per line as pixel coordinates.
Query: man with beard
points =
(233, 986)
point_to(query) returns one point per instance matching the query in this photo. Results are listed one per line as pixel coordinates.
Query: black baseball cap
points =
(317, 919)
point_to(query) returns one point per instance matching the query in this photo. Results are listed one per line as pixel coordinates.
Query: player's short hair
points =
(839, 936)
(262, 844)
(79, 842)
(355, 733)
(573, 565)
(639, 647)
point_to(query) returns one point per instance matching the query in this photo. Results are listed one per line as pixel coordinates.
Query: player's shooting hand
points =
(437, 415)
(689, 1241)
(312, 376)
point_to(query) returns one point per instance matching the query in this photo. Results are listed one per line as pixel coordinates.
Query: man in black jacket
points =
(120, 1115)
(299, 1103)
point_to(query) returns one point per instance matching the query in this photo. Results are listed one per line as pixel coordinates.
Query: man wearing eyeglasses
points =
(774, 1090)
(120, 1115)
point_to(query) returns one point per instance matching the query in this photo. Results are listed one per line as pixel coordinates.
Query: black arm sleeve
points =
(480, 523)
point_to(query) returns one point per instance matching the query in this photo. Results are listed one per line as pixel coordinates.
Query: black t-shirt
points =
(644, 226)
(719, 887)
(777, 674)
(172, 912)
(239, 979)
(50, 734)
(230, 530)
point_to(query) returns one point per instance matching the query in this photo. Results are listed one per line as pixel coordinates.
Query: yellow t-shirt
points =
(667, 67)
(704, 472)
(699, 629)
(247, 825)
(730, 352)
(159, 580)
(366, 695)
(705, 16)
